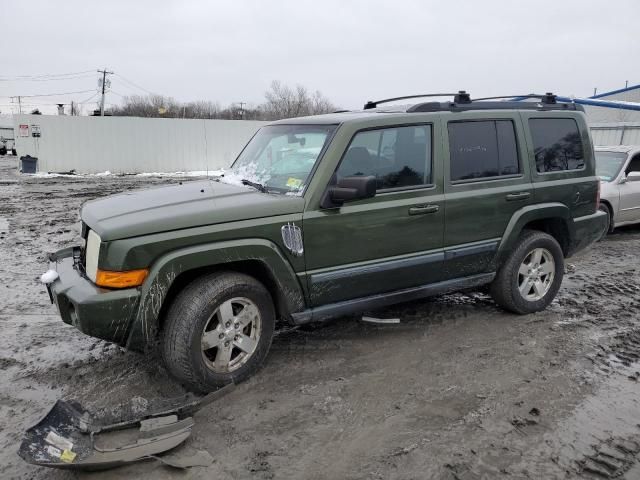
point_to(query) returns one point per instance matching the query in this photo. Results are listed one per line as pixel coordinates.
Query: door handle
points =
(517, 196)
(422, 209)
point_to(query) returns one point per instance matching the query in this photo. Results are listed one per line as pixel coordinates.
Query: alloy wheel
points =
(231, 335)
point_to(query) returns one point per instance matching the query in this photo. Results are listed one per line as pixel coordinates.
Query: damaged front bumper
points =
(95, 311)
(69, 438)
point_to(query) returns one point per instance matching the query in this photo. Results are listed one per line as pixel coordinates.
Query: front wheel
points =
(531, 276)
(608, 229)
(218, 330)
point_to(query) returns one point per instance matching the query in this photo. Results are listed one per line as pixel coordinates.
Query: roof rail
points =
(463, 101)
(548, 101)
(462, 96)
(548, 98)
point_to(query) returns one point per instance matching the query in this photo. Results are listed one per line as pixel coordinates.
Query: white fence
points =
(129, 144)
(620, 133)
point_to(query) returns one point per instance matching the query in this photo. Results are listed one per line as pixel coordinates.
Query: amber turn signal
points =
(128, 279)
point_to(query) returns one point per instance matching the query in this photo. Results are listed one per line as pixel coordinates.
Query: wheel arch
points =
(552, 218)
(612, 220)
(258, 258)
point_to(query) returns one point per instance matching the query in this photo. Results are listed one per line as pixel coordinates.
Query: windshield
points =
(608, 164)
(279, 158)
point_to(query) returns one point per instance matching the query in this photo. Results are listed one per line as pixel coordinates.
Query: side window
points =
(634, 165)
(481, 149)
(557, 144)
(397, 157)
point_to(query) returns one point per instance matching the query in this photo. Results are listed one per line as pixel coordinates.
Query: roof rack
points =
(462, 101)
(548, 98)
(548, 101)
(460, 97)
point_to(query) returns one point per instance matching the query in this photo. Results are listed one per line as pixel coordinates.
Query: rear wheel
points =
(531, 276)
(218, 330)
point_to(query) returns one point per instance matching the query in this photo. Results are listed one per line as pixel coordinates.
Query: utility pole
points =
(242, 104)
(19, 103)
(104, 73)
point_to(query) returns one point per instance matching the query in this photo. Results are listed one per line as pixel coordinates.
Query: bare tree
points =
(283, 101)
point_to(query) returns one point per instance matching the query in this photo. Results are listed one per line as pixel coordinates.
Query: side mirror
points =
(349, 189)
(633, 176)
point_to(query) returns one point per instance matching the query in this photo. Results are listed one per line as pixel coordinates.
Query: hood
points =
(175, 207)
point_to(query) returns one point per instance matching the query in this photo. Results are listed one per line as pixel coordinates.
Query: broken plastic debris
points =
(380, 320)
(49, 276)
(98, 446)
(200, 458)
(57, 441)
(68, 456)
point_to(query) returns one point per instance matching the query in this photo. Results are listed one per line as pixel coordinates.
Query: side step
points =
(358, 305)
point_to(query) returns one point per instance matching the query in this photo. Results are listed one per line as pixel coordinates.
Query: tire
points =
(209, 313)
(506, 287)
(14, 152)
(604, 208)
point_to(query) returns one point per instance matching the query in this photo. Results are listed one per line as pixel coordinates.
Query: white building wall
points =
(131, 144)
(626, 133)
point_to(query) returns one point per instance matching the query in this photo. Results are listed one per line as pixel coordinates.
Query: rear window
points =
(557, 144)
(482, 149)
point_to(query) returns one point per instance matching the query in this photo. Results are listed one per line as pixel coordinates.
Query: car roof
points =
(632, 149)
(337, 117)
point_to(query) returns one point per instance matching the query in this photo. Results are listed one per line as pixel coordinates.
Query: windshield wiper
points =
(257, 186)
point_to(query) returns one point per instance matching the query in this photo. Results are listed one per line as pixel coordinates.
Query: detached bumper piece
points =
(67, 437)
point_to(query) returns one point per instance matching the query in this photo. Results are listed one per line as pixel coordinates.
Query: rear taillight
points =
(598, 197)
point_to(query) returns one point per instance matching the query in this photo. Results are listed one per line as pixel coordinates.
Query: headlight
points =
(91, 255)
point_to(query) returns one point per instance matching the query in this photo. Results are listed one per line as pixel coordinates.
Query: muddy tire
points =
(218, 330)
(604, 208)
(531, 276)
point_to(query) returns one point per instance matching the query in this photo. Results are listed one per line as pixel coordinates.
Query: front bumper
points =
(95, 311)
(588, 229)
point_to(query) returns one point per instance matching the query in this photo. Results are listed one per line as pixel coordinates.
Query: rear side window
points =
(557, 144)
(398, 157)
(482, 149)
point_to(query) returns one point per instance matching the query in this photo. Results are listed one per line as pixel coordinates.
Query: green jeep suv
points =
(331, 215)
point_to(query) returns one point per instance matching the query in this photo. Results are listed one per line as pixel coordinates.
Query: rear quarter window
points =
(557, 144)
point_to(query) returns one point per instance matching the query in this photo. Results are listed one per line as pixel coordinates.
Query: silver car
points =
(619, 170)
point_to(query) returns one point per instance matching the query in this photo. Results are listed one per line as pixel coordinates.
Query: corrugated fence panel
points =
(132, 145)
(631, 136)
(605, 136)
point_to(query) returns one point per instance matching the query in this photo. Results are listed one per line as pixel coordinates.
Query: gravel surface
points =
(458, 390)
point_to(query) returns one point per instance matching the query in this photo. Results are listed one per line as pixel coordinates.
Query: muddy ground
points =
(458, 390)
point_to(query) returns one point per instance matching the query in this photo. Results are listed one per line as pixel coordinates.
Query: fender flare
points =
(144, 326)
(525, 215)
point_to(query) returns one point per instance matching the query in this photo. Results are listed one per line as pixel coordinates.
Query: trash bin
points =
(28, 164)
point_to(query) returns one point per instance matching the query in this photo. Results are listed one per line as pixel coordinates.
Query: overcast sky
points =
(352, 51)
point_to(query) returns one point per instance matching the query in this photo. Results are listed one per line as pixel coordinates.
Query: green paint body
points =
(365, 247)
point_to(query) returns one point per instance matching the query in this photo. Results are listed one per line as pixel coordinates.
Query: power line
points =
(45, 75)
(88, 99)
(52, 94)
(134, 84)
(56, 79)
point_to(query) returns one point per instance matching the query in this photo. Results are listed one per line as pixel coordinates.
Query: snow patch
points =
(49, 276)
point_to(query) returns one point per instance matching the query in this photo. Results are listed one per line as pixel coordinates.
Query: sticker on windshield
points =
(294, 182)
